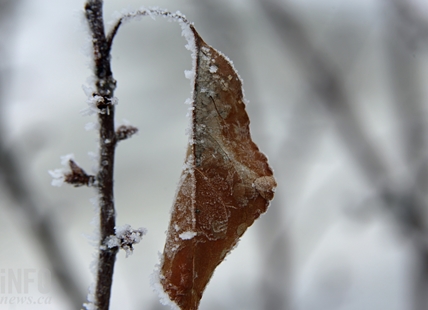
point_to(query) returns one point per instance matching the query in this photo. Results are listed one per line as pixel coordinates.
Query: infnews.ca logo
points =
(24, 286)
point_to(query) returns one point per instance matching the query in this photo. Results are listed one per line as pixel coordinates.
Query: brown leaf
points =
(226, 185)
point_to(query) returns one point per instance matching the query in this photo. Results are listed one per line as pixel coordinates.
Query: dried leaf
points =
(226, 184)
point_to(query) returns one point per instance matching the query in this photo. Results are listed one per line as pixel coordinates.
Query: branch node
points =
(125, 132)
(125, 238)
(78, 176)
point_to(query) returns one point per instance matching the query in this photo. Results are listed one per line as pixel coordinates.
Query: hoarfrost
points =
(95, 158)
(114, 101)
(92, 108)
(188, 165)
(94, 238)
(188, 132)
(187, 235)
(126, 237)
(91, 298)
(66, 158)
(158, 289)
(189, 74)
(57, 175)
(213, 69)
(87, 88)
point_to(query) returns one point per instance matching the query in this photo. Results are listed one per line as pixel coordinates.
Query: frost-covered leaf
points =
(226, 183)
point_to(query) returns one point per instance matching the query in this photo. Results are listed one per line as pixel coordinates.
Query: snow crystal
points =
(114, 101)
(187, 33)
(92, 108)
(188, 131)
(94, 238)
(187, 235)
(66, 159)
(157, 288)
(189, 74)
(87, 88)
(188, 164)
(57, 177)
(189, 114)
(125, 237)
(91, 298)
(95, 158)
(213, 68)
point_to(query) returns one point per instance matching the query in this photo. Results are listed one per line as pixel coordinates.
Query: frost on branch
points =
(125, 238)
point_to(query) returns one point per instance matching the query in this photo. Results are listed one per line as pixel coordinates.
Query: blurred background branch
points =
(32, 212)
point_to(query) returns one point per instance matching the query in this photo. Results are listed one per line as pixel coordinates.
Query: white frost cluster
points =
(126, 237)
(213, 68)
(92, 108)
(187, 235)
(57, 175)
(158, 289)
(189, 74)
(94, 157)
(93, 239)
(90, 305)
(189, 164)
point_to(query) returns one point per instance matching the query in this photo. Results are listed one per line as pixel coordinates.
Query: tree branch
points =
(105, 86)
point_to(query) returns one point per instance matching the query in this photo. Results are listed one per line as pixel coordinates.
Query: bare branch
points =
(40, 221)
(327, 83)
(105, 86)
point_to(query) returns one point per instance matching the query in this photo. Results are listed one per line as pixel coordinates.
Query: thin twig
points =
(144, 12)
(105, 86)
